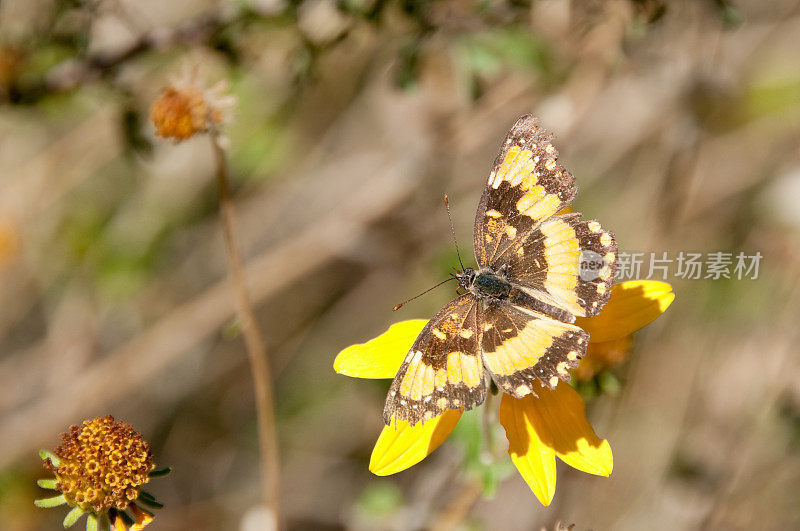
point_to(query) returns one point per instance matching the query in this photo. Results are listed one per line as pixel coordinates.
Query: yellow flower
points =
(539, 428)
(99, 469)
(632, 305)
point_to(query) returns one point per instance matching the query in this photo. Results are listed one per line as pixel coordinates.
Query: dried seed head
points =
(180, 113)
(185, 108)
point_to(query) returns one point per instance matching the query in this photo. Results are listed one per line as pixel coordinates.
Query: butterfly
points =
(537, 270)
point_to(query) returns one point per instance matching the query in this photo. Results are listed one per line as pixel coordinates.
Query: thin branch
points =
(256, 351)
(458, 509)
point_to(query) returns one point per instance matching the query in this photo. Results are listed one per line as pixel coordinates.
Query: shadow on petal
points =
(561, 413)
(382, 356)
(632, 305)
(143, 518)
(534, 458)
(602, 355)
(401, 445)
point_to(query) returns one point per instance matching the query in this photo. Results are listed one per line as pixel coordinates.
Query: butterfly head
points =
(466, 277)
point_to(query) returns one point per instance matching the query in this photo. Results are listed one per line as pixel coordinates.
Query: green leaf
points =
(380, 499)
(152, 503)
(129, 521)
(609, 383)
(148, 499)
(47, 483)
(73, 516)
(487, 53)
(55, 501)
(489, 481)
(160, 472)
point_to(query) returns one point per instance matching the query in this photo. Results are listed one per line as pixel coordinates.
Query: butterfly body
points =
(485, 284)
(493, 288)
(514, 323)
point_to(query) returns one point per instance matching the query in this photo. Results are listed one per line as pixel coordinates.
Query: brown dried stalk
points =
(256, 351)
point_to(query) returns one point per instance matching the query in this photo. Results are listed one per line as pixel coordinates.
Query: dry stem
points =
(256, 351)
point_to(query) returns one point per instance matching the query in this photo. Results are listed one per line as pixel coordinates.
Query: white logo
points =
(590, 263)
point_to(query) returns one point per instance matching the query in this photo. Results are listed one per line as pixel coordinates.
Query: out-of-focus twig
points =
(459, 508)
(256, 351)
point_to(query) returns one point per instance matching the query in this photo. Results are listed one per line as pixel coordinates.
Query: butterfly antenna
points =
(453, 230)
(397, 307)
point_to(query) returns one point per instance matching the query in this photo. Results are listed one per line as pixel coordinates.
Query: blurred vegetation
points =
(680, 121)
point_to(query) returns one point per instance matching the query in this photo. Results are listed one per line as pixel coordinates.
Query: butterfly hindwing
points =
(526, 186)
(566, 260)
(443, 370)
(520, 345)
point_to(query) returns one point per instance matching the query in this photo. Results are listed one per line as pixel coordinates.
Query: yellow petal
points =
(632, 305)
(143, 518)
(380, 357)
(402, 445)
(561, 422)
(534, 459)
(118, 524)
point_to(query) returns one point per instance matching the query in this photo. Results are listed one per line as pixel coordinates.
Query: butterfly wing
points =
(566, 261)
(443, 370)
(520, 345)
(526, 187)
(561, 260)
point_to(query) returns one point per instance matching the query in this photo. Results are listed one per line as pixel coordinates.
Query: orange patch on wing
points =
(493, 229)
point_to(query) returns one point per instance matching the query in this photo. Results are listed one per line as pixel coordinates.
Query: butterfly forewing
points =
(563, 261)
(443, 370)
(520, 346)
(526, 186)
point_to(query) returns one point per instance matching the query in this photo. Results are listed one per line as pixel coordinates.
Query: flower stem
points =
(487, 420)
(262, 379)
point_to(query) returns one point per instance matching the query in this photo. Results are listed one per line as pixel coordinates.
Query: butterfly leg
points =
(503, 271)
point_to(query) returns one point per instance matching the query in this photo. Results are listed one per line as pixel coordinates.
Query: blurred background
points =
(680, 121)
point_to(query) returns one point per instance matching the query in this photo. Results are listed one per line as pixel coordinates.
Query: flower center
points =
(103, 465)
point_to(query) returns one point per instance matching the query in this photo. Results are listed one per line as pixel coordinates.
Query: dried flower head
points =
(100, 468)
(185, 109)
